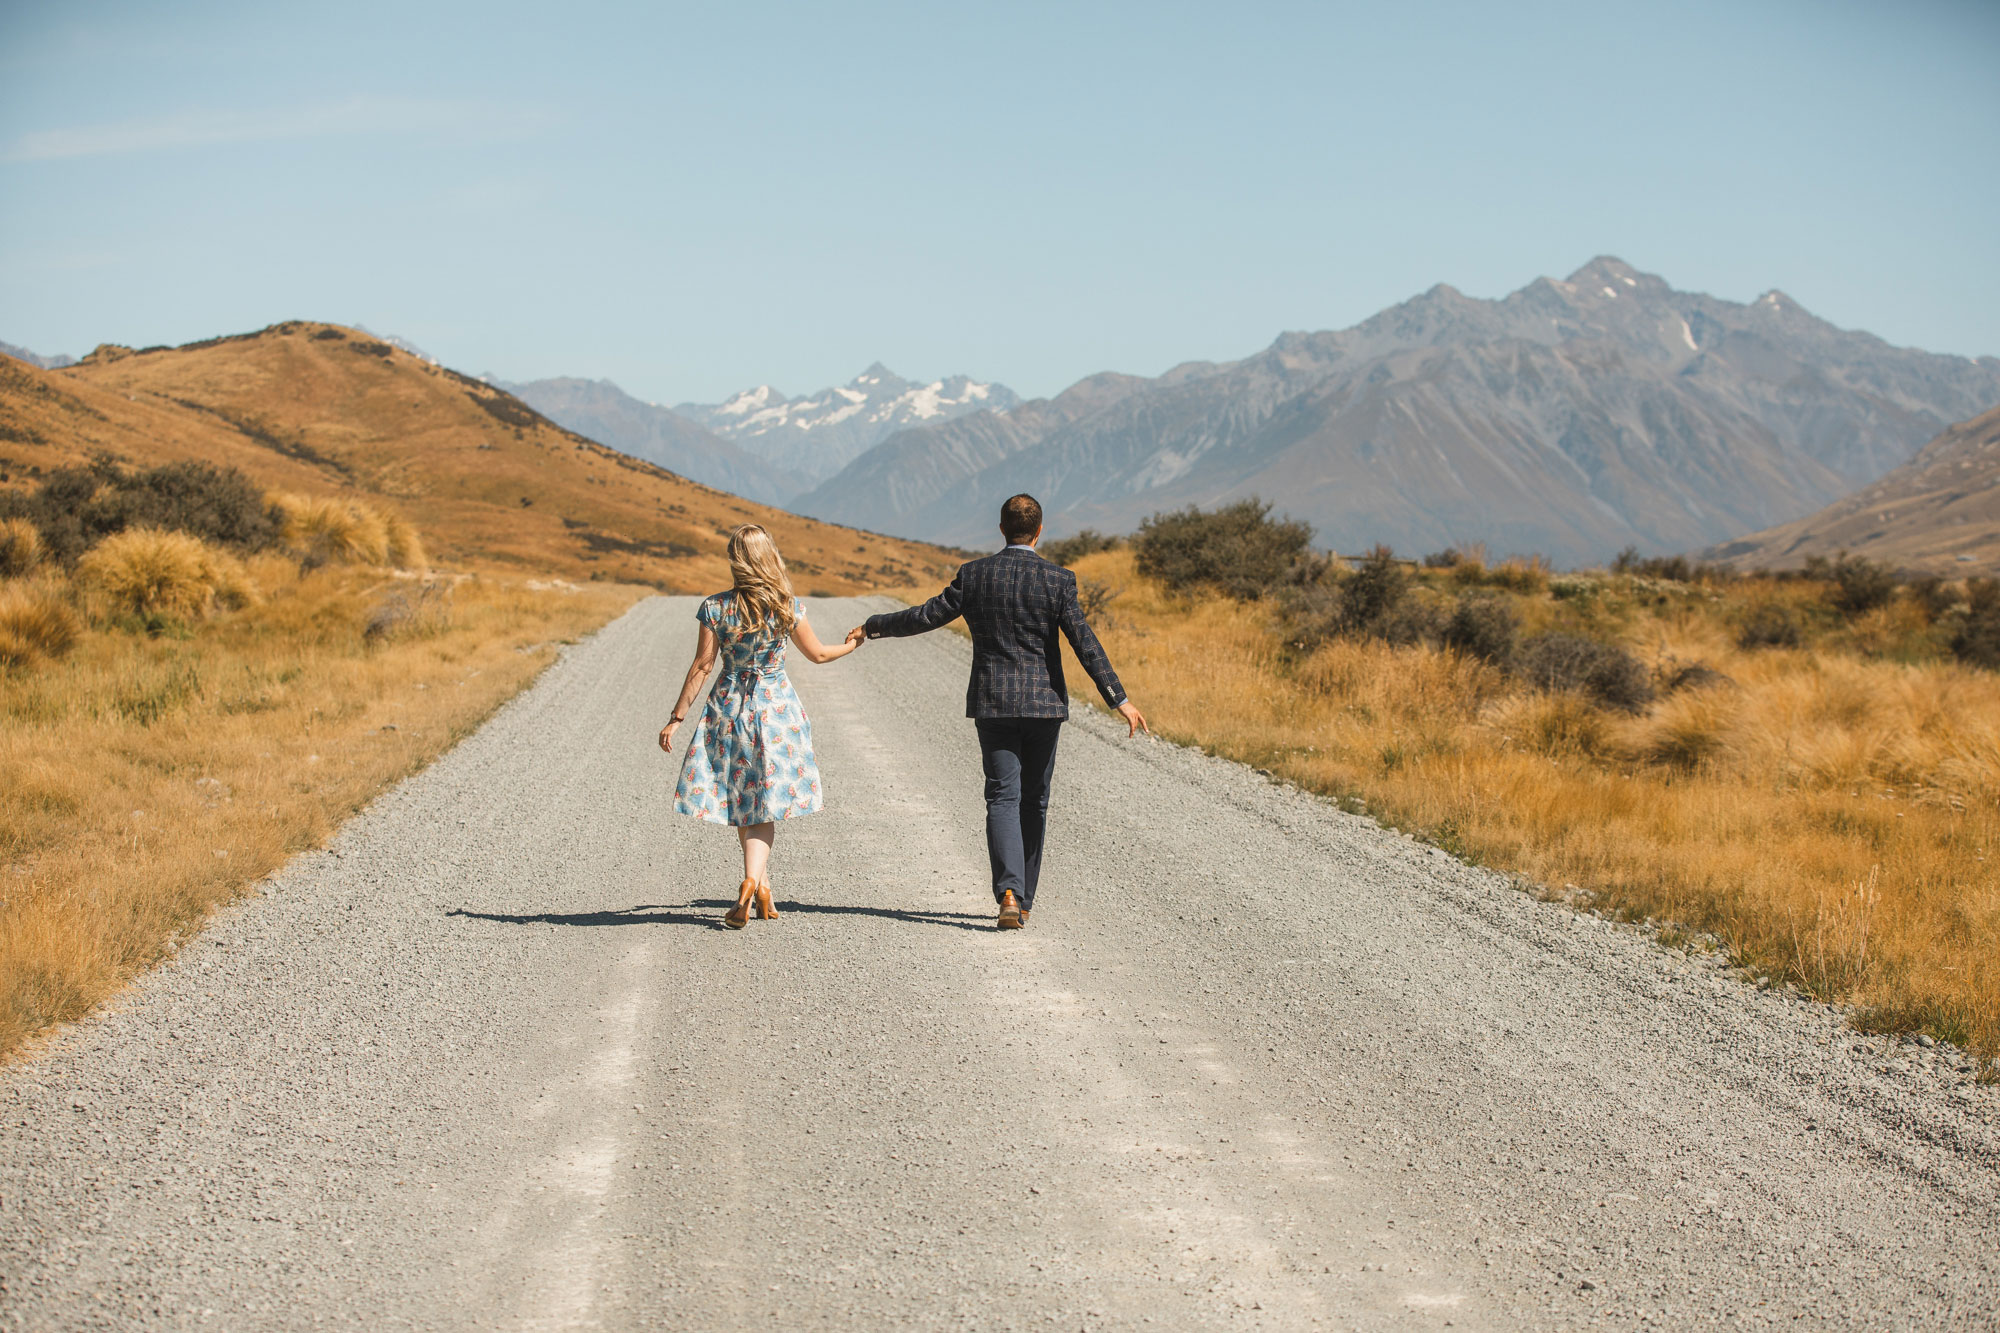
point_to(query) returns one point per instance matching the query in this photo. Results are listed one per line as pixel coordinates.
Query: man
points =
(1016, 603)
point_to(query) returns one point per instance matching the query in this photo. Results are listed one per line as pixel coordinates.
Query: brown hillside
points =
(1938, 512)
(320, 408)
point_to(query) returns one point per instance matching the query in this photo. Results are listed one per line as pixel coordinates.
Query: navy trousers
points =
(1019, 756)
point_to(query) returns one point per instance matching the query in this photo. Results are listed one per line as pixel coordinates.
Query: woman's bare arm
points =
(704, 662)
(815, 651)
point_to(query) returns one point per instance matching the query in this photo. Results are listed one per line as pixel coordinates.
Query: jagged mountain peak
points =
(811, 437)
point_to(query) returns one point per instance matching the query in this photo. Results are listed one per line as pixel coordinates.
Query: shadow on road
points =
(687, 914)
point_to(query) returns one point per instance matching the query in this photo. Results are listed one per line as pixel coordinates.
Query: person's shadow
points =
(685, 914)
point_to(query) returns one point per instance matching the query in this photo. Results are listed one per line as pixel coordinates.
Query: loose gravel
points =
(488, 1062)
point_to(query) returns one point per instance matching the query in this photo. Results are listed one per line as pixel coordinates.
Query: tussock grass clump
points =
(323, 530)
(402, 545)
(36, 624)
(149, 573)
(20, 548)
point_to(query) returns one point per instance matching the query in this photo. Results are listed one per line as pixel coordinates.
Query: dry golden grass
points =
(20, 547)
(144, 780)
(335, 531)
(1832, 819)
(36, 622)
(317, 410)
(145, 572)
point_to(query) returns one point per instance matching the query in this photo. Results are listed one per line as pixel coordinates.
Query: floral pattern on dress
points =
(750, 760)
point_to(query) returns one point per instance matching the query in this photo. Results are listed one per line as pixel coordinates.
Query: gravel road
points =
(489, 1063)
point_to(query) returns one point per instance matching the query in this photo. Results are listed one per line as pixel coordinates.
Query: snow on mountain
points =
(810, 438)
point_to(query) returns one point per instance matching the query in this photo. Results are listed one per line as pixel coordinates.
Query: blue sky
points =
(691, 200)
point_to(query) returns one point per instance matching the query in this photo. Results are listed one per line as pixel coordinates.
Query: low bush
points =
(1691, 676)
(73, 509)
(1483, 627)
(155, 575)
(1238, 548)
(1859, 585)
(1769, 625)
(1669, 568)
(20, 547)
(1558, 661)
(410, 613)
(1372, 594)
(1066, 551)
(1931, 595)
(1977, 639)
(35, 624)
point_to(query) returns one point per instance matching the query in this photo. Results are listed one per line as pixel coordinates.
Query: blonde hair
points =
(763, 589)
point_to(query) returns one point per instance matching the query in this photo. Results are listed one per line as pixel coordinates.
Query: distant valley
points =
(1571, 418)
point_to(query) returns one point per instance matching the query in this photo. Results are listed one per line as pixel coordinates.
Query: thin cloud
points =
(202, 129)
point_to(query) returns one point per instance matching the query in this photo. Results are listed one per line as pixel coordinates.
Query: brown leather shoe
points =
(1010, 913)
(765, 911)
(739, 915)
(1024, 916)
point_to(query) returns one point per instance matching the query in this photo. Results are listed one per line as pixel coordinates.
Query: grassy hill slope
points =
(1939, 512)
(320, 408)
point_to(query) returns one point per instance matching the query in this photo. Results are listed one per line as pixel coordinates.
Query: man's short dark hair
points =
(1020, 518)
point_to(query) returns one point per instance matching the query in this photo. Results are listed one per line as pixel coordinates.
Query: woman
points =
(750, 761)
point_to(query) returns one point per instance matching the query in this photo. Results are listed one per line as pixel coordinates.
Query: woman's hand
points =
(667, 736)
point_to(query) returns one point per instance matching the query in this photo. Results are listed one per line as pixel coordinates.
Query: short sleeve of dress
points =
(710, 611)
(799, 610)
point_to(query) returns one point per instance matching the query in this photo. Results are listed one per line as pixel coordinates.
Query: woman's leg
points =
(757, 840)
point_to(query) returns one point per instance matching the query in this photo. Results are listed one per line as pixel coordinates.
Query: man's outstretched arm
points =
(939, 610)
(1090, 653)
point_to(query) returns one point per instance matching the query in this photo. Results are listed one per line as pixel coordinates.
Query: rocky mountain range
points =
(808, 439)
(1571, 418)
(45, 362)
(1939, 512)
(604, 412)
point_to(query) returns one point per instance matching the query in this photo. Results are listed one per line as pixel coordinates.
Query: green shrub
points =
(1770, 625)
(1669, 568)
(1373, 592)
(1605, 672)
(1930, 594)
(75, 508)
(1977, 640)
(1238, 548)
(1066, 551)
(1483, 627)
(1859, 584)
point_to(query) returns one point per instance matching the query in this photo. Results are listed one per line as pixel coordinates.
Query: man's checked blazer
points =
(1015, 603)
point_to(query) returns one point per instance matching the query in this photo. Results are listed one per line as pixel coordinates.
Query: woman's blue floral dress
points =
(751, 758)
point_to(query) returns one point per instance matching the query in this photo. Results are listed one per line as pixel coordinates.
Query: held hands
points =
(856, 637)
(1135, 721)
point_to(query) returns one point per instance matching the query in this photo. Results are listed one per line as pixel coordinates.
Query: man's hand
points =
(858, 635)
(1135, 721)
